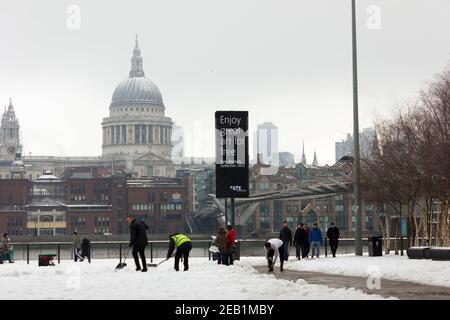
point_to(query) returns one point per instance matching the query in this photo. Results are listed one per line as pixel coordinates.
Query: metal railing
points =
(26, 251)
(101, 250)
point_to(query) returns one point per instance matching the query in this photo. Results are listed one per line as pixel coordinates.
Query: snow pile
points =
(390, 267)
(204, 280)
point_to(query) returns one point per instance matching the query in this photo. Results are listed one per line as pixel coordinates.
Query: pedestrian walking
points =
(286, 237)
(300, 241)
(86, 249)
(221, 243)
(76, 247)
(138, 240)
(231, 244)
(5, 252)
(333, 237)
(274, 248)
(307, 244)
(183, 245)
(315, 238)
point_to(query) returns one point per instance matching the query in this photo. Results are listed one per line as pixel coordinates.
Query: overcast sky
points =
(285, 61)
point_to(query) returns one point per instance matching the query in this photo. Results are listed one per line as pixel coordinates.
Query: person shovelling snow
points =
(183, 245)
(138, 240)
(274, 248)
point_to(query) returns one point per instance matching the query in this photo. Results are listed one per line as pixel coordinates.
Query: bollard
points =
(59, 253)
(209, 253)
(239, 250)
(151, 251)
(28, 253)
(120, 252)
(326, 252)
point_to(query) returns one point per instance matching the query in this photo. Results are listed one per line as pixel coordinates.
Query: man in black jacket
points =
(300, 241)
(286, 237)
(333, 236)
(138, 240)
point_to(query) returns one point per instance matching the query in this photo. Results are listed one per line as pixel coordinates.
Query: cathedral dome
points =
(136, 90)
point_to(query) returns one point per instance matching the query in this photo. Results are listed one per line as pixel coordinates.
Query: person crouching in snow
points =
(184, 246)
(274, 248)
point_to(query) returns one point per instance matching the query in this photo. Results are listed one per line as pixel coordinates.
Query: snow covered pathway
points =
(204, 280)
(403, 290)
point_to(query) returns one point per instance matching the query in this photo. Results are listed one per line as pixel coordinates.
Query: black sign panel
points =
(232, 154)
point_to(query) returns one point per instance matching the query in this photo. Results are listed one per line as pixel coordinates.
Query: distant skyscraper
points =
(267, 143)
(178, 143)
(366, 141)
(286, 159)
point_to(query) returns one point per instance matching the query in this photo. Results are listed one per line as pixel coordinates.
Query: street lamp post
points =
(356, 166)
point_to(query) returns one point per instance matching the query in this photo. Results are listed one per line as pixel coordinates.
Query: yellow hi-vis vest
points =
(179, 239)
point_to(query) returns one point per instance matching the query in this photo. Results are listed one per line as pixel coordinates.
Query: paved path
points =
(402, 290)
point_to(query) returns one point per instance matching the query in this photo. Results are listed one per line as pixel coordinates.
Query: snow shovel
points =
(156, 264)
(122, 265)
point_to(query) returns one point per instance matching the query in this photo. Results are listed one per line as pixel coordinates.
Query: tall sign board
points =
(232, 154)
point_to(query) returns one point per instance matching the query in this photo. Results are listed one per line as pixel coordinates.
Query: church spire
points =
(136, 61)
(315, 162)
(303, 153)
(10, 107)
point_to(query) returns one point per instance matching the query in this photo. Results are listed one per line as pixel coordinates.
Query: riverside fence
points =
(156, 249)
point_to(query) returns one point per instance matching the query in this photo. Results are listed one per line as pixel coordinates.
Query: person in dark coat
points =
(300, 241)
(86, 249)
(184, 246)
(333, 236)
(307, 244)
(138, 240)
(221, 243)
(296, 241)
(286, 237)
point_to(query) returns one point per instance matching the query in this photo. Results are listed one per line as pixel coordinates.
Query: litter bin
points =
(375, 246)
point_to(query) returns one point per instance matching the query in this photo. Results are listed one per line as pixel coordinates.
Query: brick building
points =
(90, 203)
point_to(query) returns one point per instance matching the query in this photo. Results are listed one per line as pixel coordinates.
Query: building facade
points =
(90, 204)
(137, 136)
(137, 132)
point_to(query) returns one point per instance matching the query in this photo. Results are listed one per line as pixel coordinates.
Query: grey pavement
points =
(402, 290)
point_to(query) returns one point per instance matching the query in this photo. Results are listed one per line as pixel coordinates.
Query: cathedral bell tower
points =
(9, 134)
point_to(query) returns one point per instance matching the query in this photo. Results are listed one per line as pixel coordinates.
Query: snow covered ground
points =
(388, 267)
(204, 280)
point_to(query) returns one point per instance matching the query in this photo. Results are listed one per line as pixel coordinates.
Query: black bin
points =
(418, 253)
(375, 246)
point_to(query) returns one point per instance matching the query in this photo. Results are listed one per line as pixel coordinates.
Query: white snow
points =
(204, 280)
(388, 266)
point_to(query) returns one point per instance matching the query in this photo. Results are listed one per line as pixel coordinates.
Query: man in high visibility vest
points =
(183, 245)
